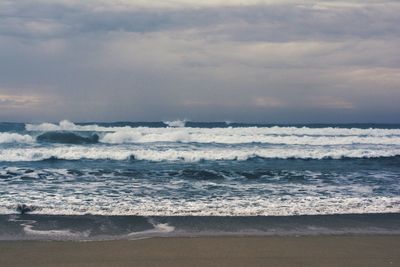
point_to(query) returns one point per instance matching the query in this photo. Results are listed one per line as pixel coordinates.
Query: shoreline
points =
(90, 227)
(320, 250)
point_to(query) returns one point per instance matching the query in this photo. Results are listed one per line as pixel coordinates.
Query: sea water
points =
(162, 171)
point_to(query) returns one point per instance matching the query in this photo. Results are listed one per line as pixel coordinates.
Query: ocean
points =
(132, 179)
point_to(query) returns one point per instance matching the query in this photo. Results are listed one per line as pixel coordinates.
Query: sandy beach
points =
(208, 251)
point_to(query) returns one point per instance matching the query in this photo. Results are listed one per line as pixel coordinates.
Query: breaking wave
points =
(176, 123)
(173, 154)
(179, 126)
(177, 133)
(234, 136)
(70, 141)
(187, 168)
(15, 138)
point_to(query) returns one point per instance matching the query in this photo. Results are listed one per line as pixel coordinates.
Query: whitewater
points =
(70, 141)
(183, 168)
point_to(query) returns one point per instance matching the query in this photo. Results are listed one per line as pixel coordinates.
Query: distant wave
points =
(172, 154)
(192, 144)
(65, 126)
(201, 136)
(238, 136)
(178, 126)
(229, 135)
(176, 123)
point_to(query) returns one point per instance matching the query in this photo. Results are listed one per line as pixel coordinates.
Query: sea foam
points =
(229, 135)
(273, 130)
(234, 206)
(15, 138)
(176, 123)
(173, 154)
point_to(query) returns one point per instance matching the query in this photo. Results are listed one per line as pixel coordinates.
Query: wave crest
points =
(209, 154)
(253, 130)
(233, 136)
(15, 138)
(176, 123)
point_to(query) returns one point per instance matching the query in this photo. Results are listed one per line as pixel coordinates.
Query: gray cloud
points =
(280, 62)
(272, 23)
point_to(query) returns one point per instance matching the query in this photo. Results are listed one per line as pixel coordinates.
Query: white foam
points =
(15, 138)
(245, 131)
(236, 136)
(176, 123)
(28, 227)
(158, 228)
(192, 155)
(127, 135)
(61, 192)
(221, 206)
(271, 135)
(64, 125)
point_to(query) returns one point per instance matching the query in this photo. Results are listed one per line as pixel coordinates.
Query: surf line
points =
(158, 228)
(28, 226)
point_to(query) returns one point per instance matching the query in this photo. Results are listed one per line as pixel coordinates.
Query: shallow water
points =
(89, 227)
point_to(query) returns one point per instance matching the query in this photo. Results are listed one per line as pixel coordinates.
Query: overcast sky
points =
(211, 60)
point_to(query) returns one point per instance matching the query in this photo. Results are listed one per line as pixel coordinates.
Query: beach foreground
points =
(367, 250)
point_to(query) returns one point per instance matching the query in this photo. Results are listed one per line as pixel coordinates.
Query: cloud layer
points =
(271, 61)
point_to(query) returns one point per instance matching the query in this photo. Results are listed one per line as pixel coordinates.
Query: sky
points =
(213, 60)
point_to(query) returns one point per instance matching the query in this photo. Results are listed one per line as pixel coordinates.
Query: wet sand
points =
(208, 251)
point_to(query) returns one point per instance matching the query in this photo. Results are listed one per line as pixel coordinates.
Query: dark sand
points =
(208, 251)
